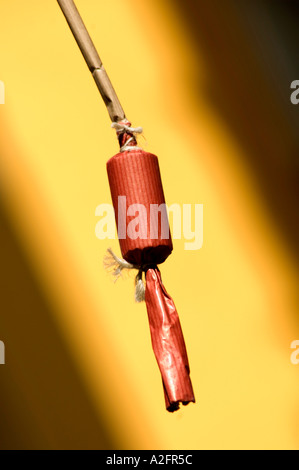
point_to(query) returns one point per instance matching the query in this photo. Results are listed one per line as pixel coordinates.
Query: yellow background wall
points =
(80, 371)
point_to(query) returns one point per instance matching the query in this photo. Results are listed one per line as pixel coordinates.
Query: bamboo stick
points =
(92, 59)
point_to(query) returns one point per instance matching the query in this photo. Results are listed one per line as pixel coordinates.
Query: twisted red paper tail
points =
(168, 342)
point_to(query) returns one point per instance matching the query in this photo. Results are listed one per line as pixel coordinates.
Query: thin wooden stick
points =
(92, 59)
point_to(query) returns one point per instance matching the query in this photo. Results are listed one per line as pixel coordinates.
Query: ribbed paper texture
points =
(136, 175)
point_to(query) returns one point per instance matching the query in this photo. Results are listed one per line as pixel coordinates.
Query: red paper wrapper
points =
(136, 175)
(168, 342)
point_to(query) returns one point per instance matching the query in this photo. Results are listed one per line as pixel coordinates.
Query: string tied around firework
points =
(123, 128)
(116, 266)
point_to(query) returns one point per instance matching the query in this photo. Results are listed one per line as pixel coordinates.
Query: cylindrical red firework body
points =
(137, 192)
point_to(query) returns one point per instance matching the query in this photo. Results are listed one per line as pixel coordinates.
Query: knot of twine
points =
(124, 127)
(116, 265)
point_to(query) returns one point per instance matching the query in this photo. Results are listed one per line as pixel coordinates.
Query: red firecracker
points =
(135, 182)
(134, 175)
